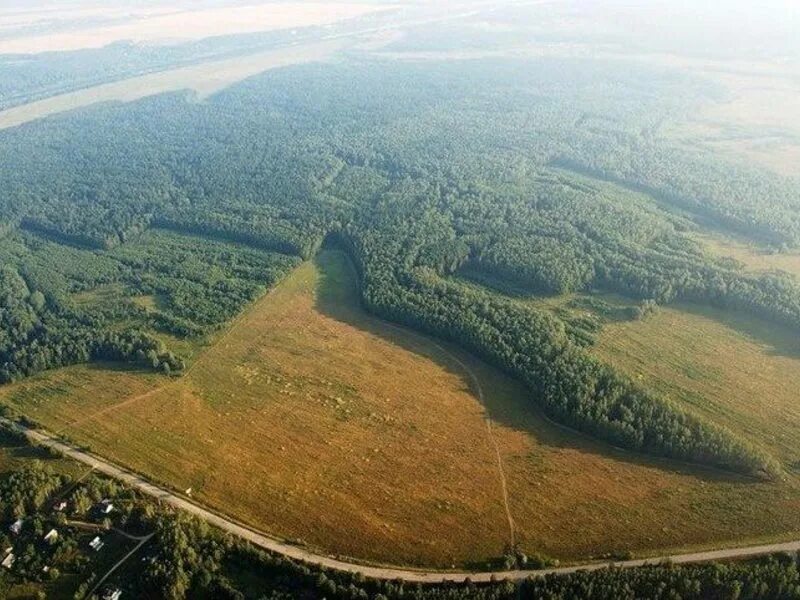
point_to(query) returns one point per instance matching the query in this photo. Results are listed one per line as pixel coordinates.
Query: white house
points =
(8, 561)
(51, 536)
(16, 527)
(96, 544)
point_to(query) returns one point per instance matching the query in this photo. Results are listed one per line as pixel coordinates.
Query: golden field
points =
(313, 421)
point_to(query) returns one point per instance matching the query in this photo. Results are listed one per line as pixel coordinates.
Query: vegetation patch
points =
(314, 421)
(735, 370)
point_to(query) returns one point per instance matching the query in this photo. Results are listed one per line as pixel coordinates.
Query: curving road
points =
(377, 572)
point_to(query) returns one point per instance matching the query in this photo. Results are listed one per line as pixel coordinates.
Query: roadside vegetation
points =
(143, 550)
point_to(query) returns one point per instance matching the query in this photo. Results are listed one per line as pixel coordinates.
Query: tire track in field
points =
(174, 382)
(478, 390)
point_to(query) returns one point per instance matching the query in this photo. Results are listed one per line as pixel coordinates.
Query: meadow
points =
(737, 126)
(309, 419)
(750, 255)
(738, 371)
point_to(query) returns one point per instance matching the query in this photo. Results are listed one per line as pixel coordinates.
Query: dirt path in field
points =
(373, 571)
(475, 384)
(172, 382)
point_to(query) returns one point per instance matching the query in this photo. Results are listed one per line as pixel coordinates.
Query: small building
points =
(60, 506)
(105, 507)
(51, 536)
(16, 527)
(112, 594)
(8, 561)
(96, 544)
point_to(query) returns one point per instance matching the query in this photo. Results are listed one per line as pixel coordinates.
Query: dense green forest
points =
(64, 305)
(530, 172)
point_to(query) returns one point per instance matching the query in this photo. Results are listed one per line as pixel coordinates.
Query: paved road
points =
(378, 572)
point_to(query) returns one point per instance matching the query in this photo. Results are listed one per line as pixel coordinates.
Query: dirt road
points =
(378, 572)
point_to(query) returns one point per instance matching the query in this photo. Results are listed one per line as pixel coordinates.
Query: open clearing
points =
(751, 256)
(204, 79)
(313, 421)
(165, 23)
(308, 427)
(738, 128)
(14, 455)
(741, 372)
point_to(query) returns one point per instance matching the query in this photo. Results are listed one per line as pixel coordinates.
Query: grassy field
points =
(741, 372)
(739, 128)
(751, 256)
(314, 421)
(306, 425)
(14, 455)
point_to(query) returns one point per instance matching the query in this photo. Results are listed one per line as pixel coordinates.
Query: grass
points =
(758, 123)
(312, 420)
(751, 256)
(738, 371)
(294, 412)
(114, 293)
(14, 455)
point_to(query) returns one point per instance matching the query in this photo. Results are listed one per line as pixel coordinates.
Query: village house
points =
(96, 544)
(112, 594)
(16, 527)
(105, 507)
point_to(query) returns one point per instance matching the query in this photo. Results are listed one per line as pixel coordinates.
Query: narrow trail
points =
(120, 562)
(512, 528)
(233, 325)
(108, 409)
(475, 384)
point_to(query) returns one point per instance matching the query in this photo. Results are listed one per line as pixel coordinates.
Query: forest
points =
(544, 174)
